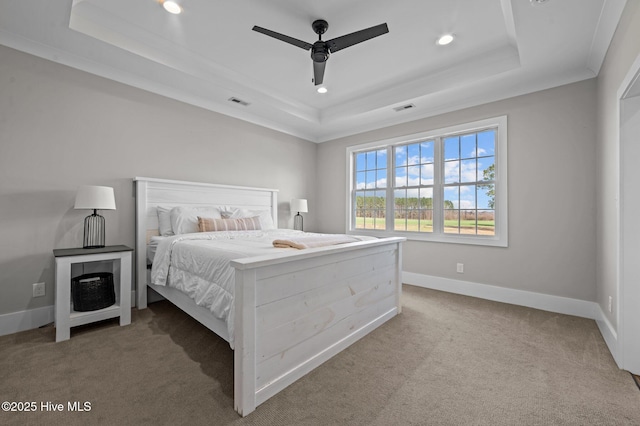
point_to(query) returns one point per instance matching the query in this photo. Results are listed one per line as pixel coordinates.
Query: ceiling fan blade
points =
(345, 41)
(318, 72)
(282, 37)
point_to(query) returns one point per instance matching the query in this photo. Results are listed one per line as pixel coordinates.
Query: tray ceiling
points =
(208, 54)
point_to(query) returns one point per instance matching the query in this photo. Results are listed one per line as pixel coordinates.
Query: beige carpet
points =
(447, 360)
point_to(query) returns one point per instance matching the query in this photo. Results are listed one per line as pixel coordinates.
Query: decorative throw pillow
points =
(266, 222)
(184, 219)
(208, 224)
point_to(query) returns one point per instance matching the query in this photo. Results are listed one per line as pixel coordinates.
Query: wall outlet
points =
(38, 289)
(610, 304)
(460, 268)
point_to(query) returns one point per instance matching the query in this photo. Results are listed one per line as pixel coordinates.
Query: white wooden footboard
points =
(295, 312)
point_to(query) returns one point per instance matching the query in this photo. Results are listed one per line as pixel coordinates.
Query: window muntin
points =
(439, 186)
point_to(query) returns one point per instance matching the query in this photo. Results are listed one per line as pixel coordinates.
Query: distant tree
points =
(489, 174)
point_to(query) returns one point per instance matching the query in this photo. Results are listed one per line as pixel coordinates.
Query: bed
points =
(292, 309)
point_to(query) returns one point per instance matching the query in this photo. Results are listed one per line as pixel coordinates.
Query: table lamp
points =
(94, 198)
(298, 205)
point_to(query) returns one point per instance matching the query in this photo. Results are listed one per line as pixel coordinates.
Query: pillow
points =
(266, 222)
(164, 221)
(184, 219)
(207, 224)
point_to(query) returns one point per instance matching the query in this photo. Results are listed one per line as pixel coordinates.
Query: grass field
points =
(485, 227)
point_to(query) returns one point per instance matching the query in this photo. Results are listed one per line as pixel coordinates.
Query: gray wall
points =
(552, 215)
(61, 128)
(624, 49)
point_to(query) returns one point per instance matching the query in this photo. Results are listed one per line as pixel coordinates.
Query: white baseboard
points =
(545, 302)
(609, 334)
(26, 320)
(30, 319)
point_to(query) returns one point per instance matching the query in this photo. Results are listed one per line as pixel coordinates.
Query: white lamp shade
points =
(299, 205)
(95, 197)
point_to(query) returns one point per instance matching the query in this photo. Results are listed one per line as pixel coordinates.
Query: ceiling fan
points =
(320, 50)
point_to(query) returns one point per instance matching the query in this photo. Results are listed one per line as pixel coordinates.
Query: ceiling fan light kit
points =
(172, 7)
(320, 50)
(445, 39)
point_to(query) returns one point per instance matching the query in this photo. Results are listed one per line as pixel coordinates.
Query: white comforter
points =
(199, 265)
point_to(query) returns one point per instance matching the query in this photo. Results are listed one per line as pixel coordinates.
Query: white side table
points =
(66, 317)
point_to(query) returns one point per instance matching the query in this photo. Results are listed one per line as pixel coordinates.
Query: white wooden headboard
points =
(152, 192)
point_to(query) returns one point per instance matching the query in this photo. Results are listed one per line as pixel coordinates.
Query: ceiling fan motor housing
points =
(319, 51)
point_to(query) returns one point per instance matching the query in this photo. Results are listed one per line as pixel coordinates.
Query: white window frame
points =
(500, 239)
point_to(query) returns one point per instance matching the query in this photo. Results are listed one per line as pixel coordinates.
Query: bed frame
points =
(293, 311)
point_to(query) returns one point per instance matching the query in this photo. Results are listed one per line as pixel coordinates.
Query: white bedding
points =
(152, 247)
(198, 264)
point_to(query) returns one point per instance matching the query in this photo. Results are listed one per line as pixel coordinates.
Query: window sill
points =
(491, 241)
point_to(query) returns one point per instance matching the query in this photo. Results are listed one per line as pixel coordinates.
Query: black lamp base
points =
(297, 222)
(93, 231)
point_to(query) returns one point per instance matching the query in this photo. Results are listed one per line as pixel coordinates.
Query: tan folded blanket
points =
(314, 240)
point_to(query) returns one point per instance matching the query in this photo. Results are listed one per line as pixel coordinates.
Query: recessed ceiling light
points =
(172, 7)
(445, 39)
(322, 89)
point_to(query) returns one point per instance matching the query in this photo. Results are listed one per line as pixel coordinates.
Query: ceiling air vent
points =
(238, 101)
(404, 107)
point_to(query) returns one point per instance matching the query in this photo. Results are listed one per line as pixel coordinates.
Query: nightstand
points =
(66, 317)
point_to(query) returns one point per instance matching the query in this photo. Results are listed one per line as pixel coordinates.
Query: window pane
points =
(414, 176)
(486, 196)
(361, 180)
(451, 197)
(359, 209)
(426, 210)
(413, 154)
(486, 222)
(400, 220)
(486, 169)
(468, 222)
(401, 176)
(426, 221)
(426, 152)
(371, 160)
(452, 148)
(361, 161)
(401, 155)
(400, 198)
(426, 198)
(467, 197)
(381, 181)
(427, 174)
(468, 146)
(382, 159)
(487, 143)
(468, 170)
(371, 179)
(451, 222)
(452, 172)
(380, 205)
(368, 220)
(369, 200)
(400, 212)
